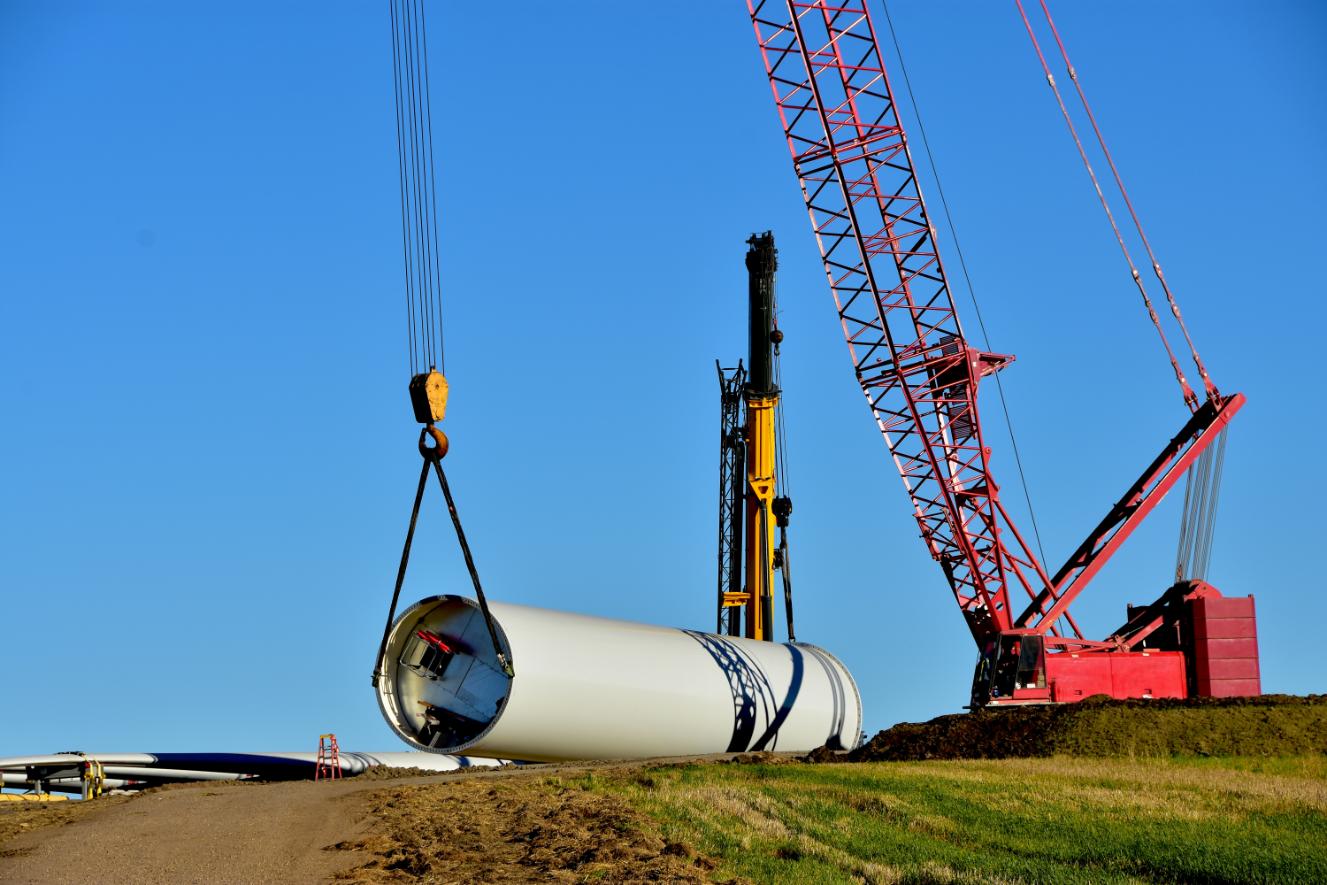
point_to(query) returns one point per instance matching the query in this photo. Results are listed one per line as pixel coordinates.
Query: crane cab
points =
(1011, 670)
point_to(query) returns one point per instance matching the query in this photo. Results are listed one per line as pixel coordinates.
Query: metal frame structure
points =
(732, 503)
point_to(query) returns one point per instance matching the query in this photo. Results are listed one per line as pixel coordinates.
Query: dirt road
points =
(237, 833)
(503, 826)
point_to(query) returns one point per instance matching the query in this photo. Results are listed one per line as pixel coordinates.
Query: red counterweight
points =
(1225, 647)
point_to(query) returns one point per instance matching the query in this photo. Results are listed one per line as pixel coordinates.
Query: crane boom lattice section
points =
(732, 484)
(907, 346)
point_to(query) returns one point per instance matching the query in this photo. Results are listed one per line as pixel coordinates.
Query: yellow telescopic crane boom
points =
(761, 396)
(751, 468)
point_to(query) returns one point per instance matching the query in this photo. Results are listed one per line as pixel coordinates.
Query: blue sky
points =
(208, 450)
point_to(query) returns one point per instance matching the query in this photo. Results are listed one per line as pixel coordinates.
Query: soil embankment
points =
(1270, 725)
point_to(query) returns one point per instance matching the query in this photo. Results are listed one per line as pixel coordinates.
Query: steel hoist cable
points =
(419, 237)
(1202, 492)
(418, 184)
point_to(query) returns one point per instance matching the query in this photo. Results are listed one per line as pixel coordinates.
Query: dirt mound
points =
(1270, 725)
(388, 772)
(519, 830)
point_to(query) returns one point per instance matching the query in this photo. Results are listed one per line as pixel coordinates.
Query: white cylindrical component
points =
(594, 688)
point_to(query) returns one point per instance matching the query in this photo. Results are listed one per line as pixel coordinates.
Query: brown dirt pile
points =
(516, 830)
(1271, 725)
(388, 773)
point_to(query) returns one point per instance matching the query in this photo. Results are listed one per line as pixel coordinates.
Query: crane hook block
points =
(428, 396)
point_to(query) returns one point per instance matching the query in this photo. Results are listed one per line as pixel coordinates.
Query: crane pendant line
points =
(908, 349)
(1212, 392)
(1186, 390)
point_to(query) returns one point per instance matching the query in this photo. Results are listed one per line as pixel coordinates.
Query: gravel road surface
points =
(203, 833)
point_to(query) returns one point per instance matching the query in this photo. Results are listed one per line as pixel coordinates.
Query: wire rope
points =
(417, 181)
(1202, 492)
(406, 253)
(421, 268)
(1138, 224)
(432, 188)
(1203, 480)
(421, 171)
(1190, 399)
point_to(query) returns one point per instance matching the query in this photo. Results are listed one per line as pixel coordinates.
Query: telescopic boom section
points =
(908, 350)
(762, 400)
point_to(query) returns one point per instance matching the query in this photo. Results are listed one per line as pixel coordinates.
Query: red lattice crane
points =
(920, 377)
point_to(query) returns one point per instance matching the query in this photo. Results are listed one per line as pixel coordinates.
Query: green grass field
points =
(1016, 820)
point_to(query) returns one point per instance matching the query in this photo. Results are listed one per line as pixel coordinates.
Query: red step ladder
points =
(329, 758)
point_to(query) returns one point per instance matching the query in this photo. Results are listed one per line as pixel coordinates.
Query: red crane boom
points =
(912, 360)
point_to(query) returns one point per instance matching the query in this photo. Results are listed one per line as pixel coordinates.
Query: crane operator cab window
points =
(1012, 667)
